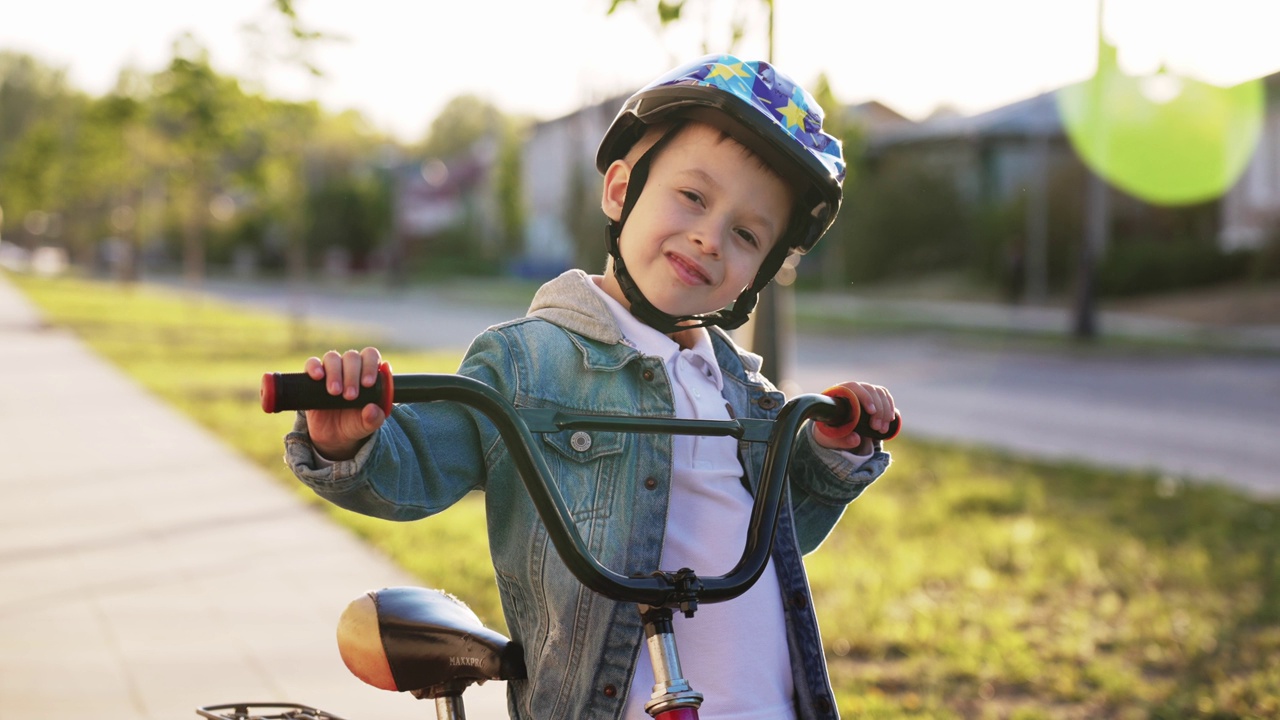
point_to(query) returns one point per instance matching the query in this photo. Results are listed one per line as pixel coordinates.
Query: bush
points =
(904, 221)
(1266, 262)
(1150, 266)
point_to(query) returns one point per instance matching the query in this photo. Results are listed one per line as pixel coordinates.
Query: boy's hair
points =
(760, 109)
(655, 132)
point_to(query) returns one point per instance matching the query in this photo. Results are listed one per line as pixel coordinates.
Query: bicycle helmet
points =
(763, 110)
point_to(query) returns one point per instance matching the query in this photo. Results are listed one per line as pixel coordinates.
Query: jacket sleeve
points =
(823, 482)
(423, 459)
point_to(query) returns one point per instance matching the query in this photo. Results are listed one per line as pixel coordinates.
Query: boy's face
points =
(709, 214)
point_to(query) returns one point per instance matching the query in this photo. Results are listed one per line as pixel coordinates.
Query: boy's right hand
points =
(338, 434)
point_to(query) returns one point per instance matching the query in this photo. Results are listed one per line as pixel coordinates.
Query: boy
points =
(712, 175)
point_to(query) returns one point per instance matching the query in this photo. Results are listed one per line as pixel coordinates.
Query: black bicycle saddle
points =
(423, 641)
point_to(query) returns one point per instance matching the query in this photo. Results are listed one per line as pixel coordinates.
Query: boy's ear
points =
(614, 195)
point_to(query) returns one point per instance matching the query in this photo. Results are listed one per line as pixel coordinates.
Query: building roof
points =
(1033, 117)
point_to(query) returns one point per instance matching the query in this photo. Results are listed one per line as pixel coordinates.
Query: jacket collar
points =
(570, 302)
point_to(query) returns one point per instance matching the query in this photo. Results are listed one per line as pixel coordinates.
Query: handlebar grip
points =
(855, 420)
(298, 391)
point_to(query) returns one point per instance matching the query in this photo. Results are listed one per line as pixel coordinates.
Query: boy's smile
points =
(707, 217)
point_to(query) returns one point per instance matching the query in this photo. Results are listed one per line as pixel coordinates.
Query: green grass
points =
(965, 584)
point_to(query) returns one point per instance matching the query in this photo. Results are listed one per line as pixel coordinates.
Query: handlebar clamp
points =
(685, 589)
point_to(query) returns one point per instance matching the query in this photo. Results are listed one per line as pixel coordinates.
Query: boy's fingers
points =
(314, 368)
(371, 416)
(865, 397)
(351, 374)
(333, 371)
(370, 360)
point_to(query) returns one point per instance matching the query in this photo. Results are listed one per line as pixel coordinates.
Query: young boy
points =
(712, 175)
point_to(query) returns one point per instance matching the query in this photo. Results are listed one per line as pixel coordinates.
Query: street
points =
(1192, 415)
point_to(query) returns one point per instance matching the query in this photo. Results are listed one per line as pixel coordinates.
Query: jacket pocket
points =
(585, 466)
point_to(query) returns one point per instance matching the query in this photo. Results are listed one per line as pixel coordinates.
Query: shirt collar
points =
(652, 342)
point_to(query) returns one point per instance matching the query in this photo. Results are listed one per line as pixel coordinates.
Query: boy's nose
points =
(710, 236)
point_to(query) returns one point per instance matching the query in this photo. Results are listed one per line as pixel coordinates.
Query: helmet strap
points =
(730, 318)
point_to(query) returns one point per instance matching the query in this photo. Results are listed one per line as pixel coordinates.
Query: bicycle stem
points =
(672, 697)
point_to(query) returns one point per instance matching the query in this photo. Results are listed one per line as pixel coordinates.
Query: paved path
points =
(147, 569)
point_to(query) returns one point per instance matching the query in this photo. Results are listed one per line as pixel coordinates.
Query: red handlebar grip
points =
(267, 392)
(857, 422)
(855, 413)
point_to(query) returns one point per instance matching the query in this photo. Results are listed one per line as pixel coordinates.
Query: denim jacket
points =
(568, 353)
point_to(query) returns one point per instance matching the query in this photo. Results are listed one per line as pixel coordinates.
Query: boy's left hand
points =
(877, 404)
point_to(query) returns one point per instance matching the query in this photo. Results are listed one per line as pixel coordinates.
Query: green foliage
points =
(350, 213)
(668, 12)
(1139, 267)
(185, 159)
(509, 187)
(972, 584)
(903, 220)
(964, 584)
(584, 219)
(1266, 264)
(29, 92)
(464, 121)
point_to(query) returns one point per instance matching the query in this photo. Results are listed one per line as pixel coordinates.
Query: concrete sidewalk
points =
(147, 569)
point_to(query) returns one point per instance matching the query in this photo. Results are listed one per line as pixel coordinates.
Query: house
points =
(1250, 213)
(1012, 151)
(875, 117)
(439, 195)
(561, 187)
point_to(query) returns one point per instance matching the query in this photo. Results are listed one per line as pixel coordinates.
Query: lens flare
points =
(1166, 139)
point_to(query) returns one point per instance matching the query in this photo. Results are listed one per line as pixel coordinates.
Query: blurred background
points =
(1060, 249)
(261, 138)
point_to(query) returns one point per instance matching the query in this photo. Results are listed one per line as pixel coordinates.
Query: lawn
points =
(965, 584)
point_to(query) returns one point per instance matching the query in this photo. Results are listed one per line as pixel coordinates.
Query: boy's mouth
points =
(687, 270)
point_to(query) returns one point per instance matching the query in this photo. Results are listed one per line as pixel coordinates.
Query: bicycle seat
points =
(423, 641)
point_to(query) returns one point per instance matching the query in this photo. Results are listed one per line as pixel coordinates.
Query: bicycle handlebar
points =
(298, 391)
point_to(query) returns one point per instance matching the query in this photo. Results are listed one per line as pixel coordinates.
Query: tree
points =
(464, 121)
(36, 105)
(668, 13)
(508, 186)
(195, 111)
(29, 91)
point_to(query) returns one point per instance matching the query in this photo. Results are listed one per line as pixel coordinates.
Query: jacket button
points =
(650, 483)
(647, 374)
(767, 403)
(580, 441)
(610, 691)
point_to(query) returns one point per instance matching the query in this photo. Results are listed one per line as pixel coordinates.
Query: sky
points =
(400, 61)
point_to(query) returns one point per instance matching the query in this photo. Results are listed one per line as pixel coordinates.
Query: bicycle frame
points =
(657, 595)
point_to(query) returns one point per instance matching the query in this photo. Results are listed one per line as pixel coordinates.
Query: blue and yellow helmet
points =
(757, 106)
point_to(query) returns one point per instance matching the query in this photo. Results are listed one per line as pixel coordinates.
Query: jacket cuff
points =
(842, 476)
(317, 471)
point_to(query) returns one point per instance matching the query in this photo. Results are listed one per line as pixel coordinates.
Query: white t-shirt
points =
(734, 653)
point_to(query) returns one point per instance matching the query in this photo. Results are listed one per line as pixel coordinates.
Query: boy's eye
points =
(692, 196)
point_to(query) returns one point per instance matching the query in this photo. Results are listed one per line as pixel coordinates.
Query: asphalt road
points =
(1210, 417)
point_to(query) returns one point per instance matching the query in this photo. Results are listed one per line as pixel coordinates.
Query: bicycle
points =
(429, 644)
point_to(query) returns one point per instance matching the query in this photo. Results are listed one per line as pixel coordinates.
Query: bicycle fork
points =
(672, 698)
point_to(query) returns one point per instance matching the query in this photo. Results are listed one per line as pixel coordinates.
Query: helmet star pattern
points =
(756, 82)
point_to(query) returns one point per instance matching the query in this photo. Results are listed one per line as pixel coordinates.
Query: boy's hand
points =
(877, 404)
(338, 434)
